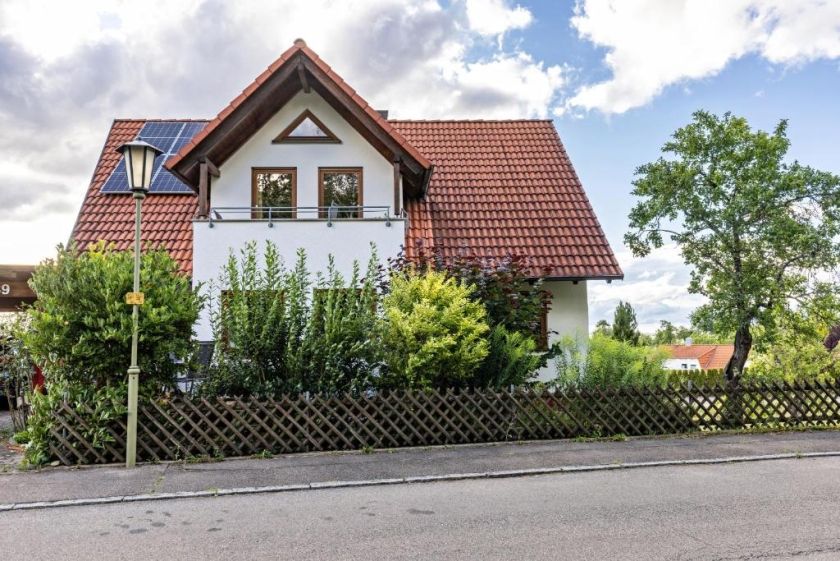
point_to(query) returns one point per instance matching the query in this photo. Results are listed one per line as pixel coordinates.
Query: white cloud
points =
(68, 69)
(652, 44)
(494, 18)
(656, 286)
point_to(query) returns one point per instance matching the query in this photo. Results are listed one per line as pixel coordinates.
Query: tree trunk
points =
(734, 409)
(743, 344)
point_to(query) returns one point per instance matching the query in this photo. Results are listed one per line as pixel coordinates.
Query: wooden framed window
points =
(274, 187)
(306, 129)
(340, 187)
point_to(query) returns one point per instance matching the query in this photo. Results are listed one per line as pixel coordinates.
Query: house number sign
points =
(5, 289)
(135, 298)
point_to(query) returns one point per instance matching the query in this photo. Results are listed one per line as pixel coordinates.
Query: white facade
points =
(346, 240)
(568, 317)
(233, 187)
(681, 364)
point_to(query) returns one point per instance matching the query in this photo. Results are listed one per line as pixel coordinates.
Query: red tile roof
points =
(711, 357)
(499, 188)
(167, 219)
(506, 187)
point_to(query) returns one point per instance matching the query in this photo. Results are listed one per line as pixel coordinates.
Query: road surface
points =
(765, 511)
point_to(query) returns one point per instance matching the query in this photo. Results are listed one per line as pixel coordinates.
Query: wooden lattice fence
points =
(183, 428)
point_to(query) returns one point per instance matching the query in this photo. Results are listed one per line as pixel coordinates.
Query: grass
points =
(620, 437)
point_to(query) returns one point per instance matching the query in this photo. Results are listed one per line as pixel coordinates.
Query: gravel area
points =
(9, 455)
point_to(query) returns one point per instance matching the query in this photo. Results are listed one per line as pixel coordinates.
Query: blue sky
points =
(618, 77)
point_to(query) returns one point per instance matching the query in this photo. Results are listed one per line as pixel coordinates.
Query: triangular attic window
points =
(306, 128)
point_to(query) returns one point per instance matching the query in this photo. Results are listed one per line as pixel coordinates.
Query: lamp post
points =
(139, 162)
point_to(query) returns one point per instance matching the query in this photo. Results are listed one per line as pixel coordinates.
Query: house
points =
(698, 357)
(301, 159)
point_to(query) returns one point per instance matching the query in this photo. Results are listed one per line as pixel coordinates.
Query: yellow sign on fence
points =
(133, 298)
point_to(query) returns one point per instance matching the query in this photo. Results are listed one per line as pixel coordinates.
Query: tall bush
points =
(80, 326)
(432, 332)
(607, 362)
(511, 359)
(278, 330)
(515, 301)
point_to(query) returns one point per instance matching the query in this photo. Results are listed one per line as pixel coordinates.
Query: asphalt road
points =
(765, 510)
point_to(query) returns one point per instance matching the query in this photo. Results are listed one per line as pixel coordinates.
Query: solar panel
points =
(168, 136)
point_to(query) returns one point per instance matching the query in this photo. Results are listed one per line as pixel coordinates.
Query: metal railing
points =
(272, 214)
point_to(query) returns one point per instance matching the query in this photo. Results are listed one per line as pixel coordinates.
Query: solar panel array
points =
(168, 136)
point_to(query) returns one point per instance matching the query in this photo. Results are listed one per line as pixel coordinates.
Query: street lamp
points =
(139, 162)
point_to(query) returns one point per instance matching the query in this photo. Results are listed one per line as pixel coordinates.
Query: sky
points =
(616, 76)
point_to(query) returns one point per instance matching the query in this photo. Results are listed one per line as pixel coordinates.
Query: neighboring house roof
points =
(502, 188)
(498, 188)
(710, 357)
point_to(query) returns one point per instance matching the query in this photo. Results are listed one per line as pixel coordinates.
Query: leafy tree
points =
(666, 334)
(433, 334)
(80, 327)
(625, 327)
(796, 349)
(754, 227)
(603, 328)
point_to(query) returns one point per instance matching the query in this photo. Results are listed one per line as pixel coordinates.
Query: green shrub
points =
(80, 327)
(258, 314)
(278, 331)
(606, 362)
(713, 377)
(511, 360)
(432, 332)
(340, 350)
(515, 302)
(98, 407)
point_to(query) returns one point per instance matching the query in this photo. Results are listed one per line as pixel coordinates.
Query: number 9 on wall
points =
(5, 289)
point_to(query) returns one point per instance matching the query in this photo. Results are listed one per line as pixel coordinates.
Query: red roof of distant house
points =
(499, 188)
(710, 357)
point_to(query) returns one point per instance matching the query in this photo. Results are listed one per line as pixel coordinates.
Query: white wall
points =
(233, 187)
(346, 240)
(681, 364)
(568, 316)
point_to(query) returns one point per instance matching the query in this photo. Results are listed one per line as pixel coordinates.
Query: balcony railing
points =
(273, 214)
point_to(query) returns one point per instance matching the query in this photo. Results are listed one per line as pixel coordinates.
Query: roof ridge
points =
(470, 121)
(158, 120)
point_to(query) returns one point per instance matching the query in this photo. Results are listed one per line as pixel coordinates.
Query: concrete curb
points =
(321, 485)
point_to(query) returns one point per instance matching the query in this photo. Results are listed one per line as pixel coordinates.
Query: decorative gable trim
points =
(286, 137)
(298, 69)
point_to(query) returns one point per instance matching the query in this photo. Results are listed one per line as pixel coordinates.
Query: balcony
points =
(327, 214)
(345, 233)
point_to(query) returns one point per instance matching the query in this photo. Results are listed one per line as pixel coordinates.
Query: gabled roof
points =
(499, 188)
(502, 188)
(299, 68)
(710, 357)
(167, 219)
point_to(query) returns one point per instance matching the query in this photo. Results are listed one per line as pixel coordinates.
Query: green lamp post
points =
(139, 162)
